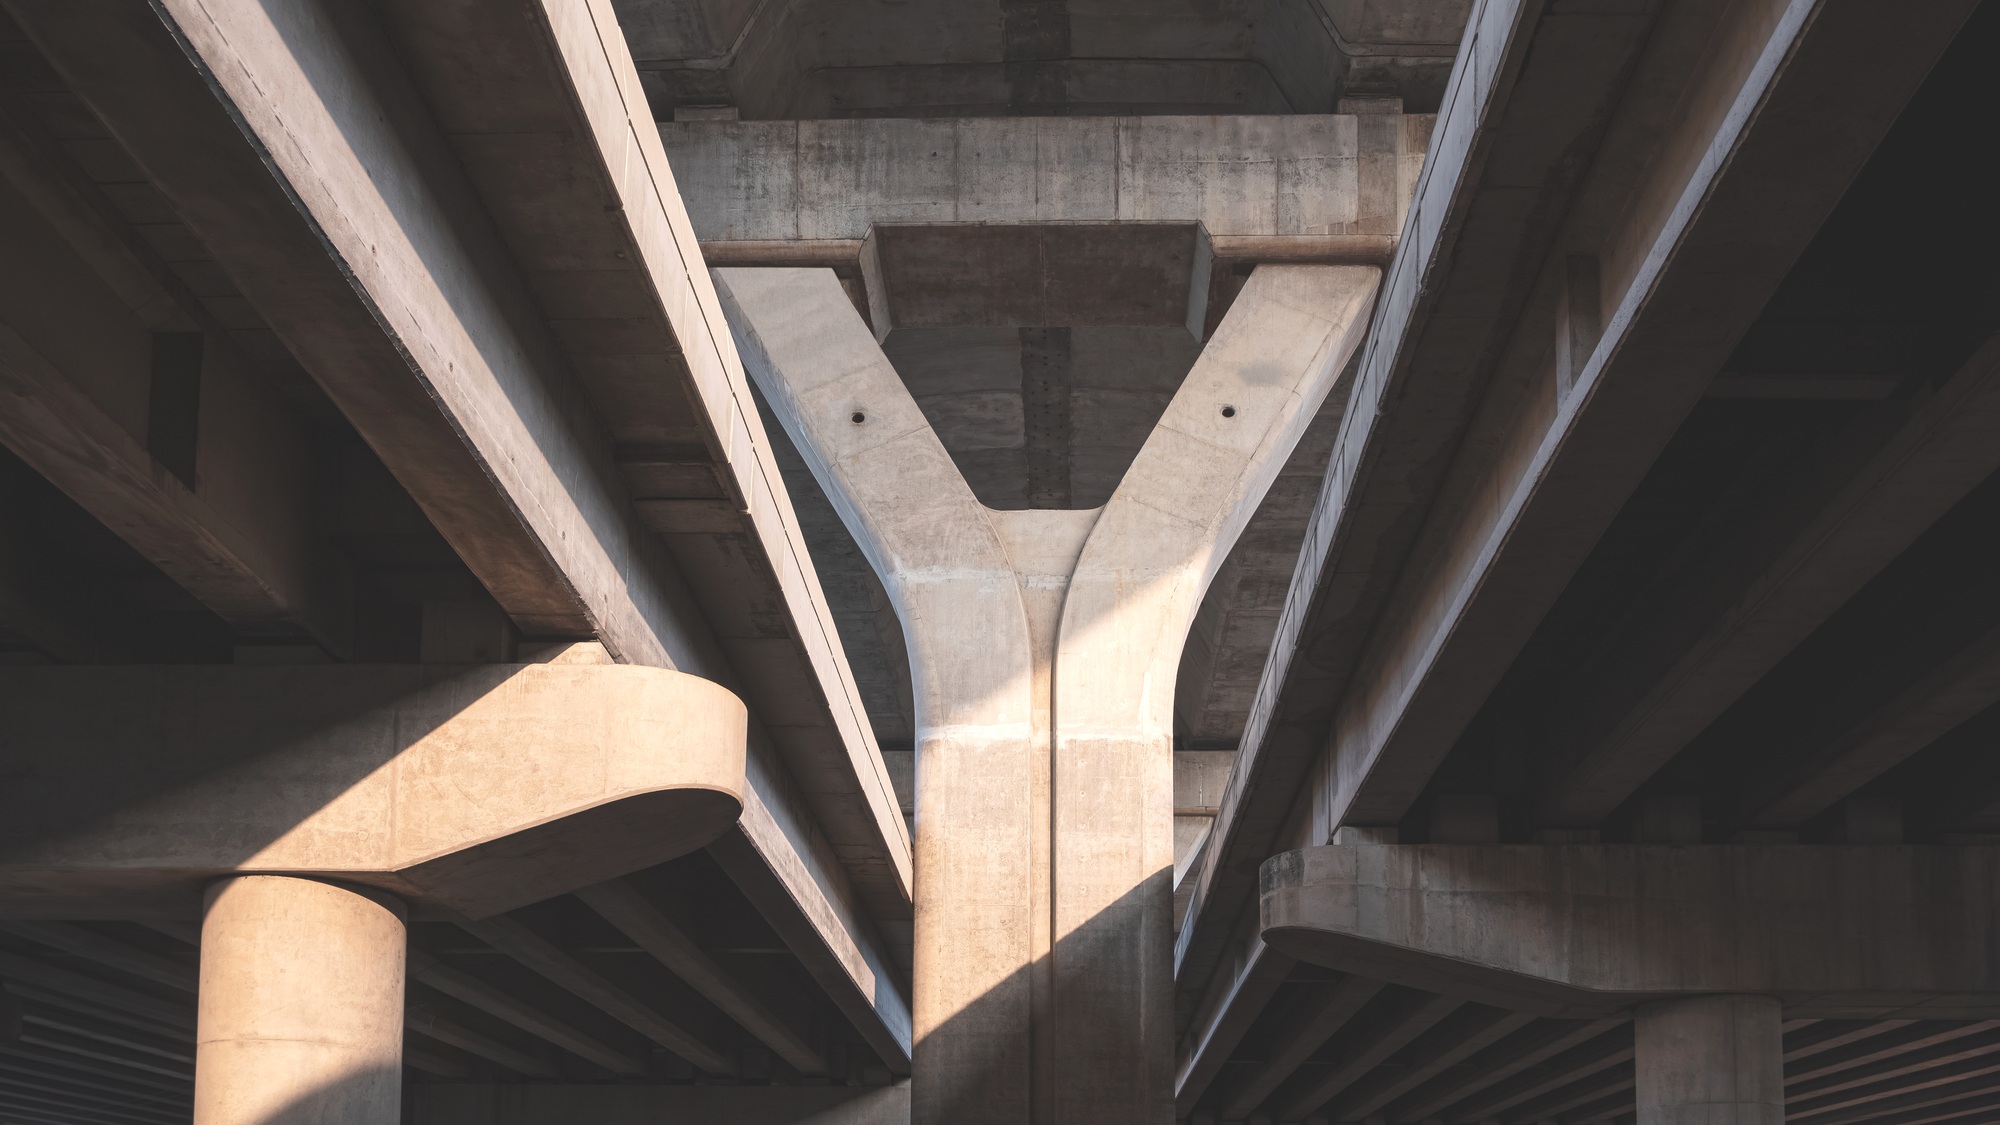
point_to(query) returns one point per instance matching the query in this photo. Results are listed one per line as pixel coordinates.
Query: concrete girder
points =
(504, 434)
(1417, 1015)
(1693, 219)
(1963, 686)
(1881, 1042)
(1984, 1044)
(551, 1104)
(17, 971)
(619, 903)
(1533, 1053)
(422, 969)
(426, 1021)
(1227, 1019)
(1680, 282)
(483, 787)
(1326, 607)
(1325, 1020)
(432, 344)
(1607, 1051)
(989, 600)
(1447, 1055)
(1853, 932)
(514, 938)
(427, 970)
(1111, 220)
(90, 407)
(1930, 464)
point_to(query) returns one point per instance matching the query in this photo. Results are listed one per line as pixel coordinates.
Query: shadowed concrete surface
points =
(1051, 562)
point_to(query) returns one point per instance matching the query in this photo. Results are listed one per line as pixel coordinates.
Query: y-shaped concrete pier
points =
(1044, 646)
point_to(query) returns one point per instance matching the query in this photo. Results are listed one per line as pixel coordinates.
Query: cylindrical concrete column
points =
(301, 1011)
(1711, 1060)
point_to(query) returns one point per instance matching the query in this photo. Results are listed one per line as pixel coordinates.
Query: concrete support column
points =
(301, 1009)
(1711, 1060)
(1044, 646)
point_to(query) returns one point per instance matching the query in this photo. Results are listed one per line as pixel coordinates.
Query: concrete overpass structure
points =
(847, 561)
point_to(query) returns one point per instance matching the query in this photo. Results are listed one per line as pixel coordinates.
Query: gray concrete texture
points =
(1007, 611)
(1711, 1060)
(1293, 177)
(1835, 932)
(301, 1005)
(478, 787)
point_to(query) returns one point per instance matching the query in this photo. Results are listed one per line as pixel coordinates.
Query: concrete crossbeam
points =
(1043, 221)
(484, 787)
(1326, 1020)
(89, 406)
(1851, 932)
(781, 183)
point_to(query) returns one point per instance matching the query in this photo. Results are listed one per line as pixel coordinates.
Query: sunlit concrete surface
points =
(1018, 562)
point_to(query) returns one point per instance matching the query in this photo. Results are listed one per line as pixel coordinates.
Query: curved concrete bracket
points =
(481, 788)
(1837, 932)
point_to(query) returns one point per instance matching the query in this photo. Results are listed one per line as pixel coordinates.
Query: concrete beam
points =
(1755, 156)
(424, 1020)
(1444, 1058)
(468, 1104)
(1730, 171)
(477, 359)
(1414, 1018)
(427, 970)
(1227, 1019)
(818, 919)
(559, 775)
(1606, 1051)
(93, 946)
(1048, 221)
(1316, 187)
(512, 937)
(623, 906)
(82, 319)
(18, 971)
(1408, 402)
(1930, 464)
(1323, 1022)
(1860, 932)
(129, 68)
